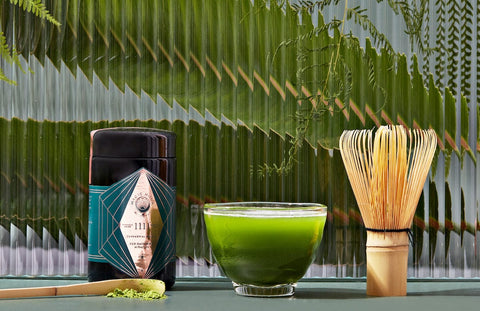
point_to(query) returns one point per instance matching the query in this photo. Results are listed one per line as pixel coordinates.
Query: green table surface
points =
(197, 294)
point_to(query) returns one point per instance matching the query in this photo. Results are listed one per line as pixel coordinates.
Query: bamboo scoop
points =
(92, 288)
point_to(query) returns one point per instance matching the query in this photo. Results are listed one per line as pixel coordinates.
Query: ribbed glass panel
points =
(228, 77)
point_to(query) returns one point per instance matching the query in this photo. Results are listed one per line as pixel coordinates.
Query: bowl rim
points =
(266, 209)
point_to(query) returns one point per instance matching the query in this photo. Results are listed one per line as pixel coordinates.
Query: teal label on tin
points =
(131, 224)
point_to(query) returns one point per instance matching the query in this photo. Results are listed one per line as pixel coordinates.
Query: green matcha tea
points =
(264, 248)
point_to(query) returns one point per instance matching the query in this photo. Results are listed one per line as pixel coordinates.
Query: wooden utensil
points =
(92, 288)
(387, 172)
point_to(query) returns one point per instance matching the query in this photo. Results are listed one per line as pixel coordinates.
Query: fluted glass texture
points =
(240, 82)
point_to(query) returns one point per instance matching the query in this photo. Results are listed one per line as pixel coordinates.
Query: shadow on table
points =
(336, 293)
(202, 286)
(449, 292)
(300, 293)
(329, 293)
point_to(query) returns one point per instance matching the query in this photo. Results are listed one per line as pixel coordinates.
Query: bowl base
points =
(283, 290)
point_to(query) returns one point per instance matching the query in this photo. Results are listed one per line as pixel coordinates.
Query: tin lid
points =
(132, 142)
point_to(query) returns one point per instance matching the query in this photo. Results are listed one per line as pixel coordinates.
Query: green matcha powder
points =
(131, 293)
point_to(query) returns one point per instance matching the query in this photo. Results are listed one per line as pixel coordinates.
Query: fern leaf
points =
(10, 55)
(372, 78)
(312, 6)
(3, 77)
(359, 17)
(5, 52)
(16, 59)
(466, 48)
(440, 43)
(426, 58)
(453, 45)
(478, 57)
(413, 13)
(394, 5)
(36, 7)
(307, 36)
(348, 85)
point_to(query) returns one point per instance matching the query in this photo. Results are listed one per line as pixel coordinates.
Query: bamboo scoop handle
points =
(92, 288)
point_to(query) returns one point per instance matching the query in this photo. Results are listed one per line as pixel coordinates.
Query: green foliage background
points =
(216, 57)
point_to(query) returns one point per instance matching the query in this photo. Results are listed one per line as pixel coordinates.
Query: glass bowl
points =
(264, 247)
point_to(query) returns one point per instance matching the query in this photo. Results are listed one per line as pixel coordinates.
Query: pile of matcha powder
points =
(131, 293)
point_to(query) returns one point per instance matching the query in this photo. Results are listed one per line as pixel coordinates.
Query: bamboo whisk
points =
(387, 173)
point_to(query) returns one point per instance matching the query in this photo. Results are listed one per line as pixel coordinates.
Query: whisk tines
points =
(387, 171)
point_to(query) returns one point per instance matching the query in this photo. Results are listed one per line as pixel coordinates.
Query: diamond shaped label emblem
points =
(141, 224)
(136, 224)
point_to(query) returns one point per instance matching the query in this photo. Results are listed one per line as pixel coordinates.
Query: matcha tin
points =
(131, 231)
